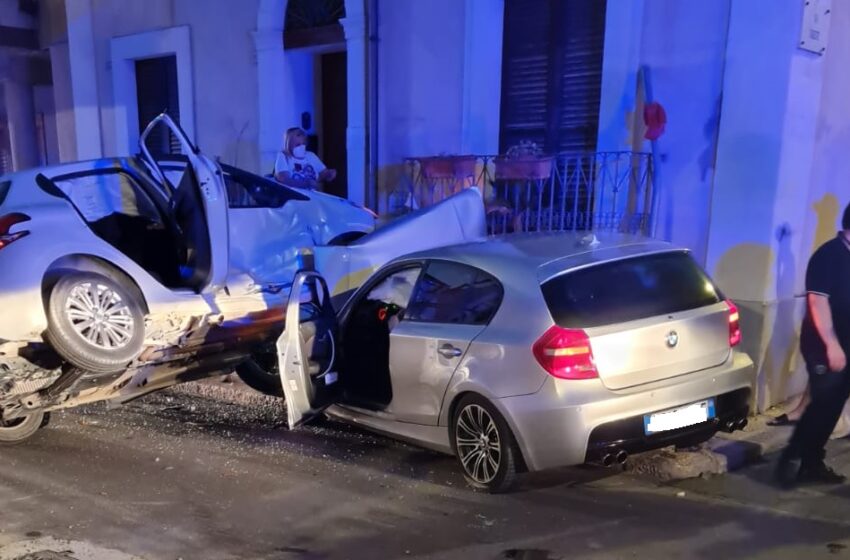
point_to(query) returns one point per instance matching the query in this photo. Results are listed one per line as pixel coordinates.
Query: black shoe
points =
(782, 420)
(819, 473)
(786, 473)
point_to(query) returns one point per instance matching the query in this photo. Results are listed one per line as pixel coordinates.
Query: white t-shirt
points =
(307, 167)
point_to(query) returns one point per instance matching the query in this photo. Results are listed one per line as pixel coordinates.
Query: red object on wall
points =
(655, 118)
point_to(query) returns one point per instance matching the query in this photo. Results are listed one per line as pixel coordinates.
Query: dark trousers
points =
(829, 392)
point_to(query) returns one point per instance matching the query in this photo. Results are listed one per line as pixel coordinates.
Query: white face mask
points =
(299, 151)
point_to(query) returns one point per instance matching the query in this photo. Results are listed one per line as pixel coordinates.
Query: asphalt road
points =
(173, 476)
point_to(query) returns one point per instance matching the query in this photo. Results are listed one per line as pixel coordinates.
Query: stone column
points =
(83, 59)
(356, 42)
(273, 96)
(482, 76)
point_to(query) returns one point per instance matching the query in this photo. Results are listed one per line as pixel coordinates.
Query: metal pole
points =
(656, 183)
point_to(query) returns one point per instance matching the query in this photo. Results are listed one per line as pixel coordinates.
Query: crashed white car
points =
(116, 281)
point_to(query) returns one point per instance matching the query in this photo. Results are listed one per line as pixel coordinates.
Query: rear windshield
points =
(628, 290)
(4, 190)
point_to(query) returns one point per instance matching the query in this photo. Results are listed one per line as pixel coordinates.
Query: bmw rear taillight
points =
(7, 222)
(566, 354)
(734, 324)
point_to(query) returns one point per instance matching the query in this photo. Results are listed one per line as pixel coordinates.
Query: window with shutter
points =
(156, 91)
(552, 73)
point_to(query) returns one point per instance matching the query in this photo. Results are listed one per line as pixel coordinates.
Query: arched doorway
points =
(314, 41)
(311, 58)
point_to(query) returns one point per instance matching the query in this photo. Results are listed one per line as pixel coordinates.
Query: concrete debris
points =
(669, 464)
(48, 548)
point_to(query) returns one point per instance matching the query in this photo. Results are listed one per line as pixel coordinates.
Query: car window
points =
(395, 289)
(628, 290)
(250, 191)
(173, 174)
(453, 293)
(100, 194)
(384, 304)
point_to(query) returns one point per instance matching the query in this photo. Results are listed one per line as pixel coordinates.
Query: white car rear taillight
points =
(7, 222)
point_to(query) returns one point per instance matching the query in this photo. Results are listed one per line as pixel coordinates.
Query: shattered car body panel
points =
(270, 223)
(197, 322)
(460, 217)
(266, 242)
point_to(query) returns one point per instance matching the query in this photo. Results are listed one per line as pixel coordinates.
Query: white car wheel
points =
(95, 322)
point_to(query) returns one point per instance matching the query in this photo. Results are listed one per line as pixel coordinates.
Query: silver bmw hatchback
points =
(525, 352)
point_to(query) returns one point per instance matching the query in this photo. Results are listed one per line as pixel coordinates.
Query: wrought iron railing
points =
(610, 191)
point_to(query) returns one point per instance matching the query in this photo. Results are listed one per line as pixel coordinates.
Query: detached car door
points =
(199, 205)
(451, 305)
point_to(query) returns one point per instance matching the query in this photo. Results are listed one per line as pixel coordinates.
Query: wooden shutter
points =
(525, 73)
(552, 73)
(581, 80)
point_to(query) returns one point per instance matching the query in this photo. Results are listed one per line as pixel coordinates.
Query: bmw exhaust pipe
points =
(616, 457)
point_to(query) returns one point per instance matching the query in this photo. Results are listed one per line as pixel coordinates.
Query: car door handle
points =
(449, 351)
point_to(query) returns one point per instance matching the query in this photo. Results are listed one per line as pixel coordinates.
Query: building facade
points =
(749, 171)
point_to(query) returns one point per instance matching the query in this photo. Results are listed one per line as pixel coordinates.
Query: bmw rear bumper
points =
(572, 422)
(628, 434)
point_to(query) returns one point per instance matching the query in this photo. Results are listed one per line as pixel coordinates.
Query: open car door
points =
(307, 350)
(199, 206)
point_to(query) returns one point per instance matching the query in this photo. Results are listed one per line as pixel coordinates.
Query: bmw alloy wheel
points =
(479, 445)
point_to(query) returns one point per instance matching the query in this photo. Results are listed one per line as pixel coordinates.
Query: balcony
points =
(601, 191)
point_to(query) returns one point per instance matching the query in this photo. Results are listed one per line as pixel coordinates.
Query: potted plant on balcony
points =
(447, 174)
(523, 162)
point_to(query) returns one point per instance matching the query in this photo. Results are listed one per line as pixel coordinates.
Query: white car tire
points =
(21, 429)
(95, 322)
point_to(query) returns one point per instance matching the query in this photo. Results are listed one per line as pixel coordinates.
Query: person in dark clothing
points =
(824, 343)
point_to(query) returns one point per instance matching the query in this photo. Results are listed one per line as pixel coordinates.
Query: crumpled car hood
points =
(266, 242)
(458, 219)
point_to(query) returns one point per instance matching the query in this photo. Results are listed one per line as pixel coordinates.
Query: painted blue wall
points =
(682, 43)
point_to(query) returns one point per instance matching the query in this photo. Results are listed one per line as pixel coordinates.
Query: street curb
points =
(722, 454)
(751, 445)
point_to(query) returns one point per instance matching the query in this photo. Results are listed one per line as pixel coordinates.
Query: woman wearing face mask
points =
(296, 167)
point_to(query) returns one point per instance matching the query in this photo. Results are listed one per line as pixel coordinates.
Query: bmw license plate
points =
(680, 417)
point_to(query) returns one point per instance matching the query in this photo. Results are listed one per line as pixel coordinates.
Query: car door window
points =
(99, 195)
(366, 336)
(251, 191)
(119, 210)
(395, 289)
(173, 174)
(452, 293)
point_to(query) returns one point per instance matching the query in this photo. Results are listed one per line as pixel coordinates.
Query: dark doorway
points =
(335, 119)
(156, 91)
